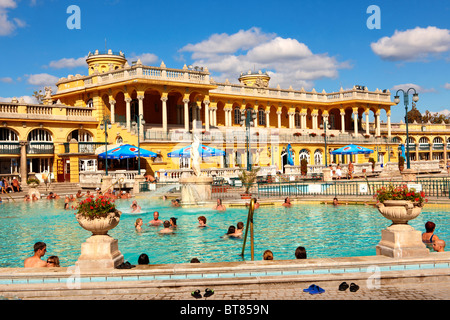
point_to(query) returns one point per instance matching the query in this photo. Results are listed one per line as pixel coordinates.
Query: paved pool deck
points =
(378, 277)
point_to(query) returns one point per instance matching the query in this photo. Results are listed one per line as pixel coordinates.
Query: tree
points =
(435, 117)
(38, 95)
(414, 115)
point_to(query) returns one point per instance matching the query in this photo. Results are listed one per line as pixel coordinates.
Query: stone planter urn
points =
(400, 239)
(100, 251)
(399, 211)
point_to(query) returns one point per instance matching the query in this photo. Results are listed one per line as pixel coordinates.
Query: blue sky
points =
(312, 44)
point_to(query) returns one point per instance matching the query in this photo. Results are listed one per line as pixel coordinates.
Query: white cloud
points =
(447, 86)
(287, 61)
(419, 89)
(413, 44)
(42, 79)
(27, 99)
(7, 26)
(227, 44)
(146, 58)
(68, 63)
(6, 80)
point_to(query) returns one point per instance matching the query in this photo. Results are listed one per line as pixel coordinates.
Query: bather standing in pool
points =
(155, 221)
(219, 206)
(287, 202)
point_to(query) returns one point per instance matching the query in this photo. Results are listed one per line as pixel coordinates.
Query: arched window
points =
(396, 140)
(424, 140)
(40, 135)
(297, 119)
(8, 135)
(304, 154)
(237, 116)
(80, 136)
(261, 117)
(318, 156)
(90, 103)
(438, 140)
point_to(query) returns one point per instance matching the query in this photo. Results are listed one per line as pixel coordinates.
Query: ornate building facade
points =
(61, 135)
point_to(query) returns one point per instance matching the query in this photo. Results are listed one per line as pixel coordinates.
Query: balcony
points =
(40, 148)
(424, 147)
(22, 111)
(7, 147)
(83, 147)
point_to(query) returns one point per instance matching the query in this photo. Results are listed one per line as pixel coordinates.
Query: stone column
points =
(303, 120)
(279, 119)
(267, 112)
(164, 113)
(186, 114)
(377, 130)
(342, 121)
(141, 112)
(315, 117)
(355, 121)
(291, 120)
(206, 102)
(367, 122)
(389, 124)
(128, 113)
(23, 162)
(113, 110)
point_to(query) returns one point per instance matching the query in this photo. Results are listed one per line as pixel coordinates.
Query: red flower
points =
(92, 207)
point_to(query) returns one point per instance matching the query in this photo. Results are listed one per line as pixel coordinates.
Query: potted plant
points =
(303, 166)
(312, 134)
(401, 163)
(297, 134)
(33, 182)
(97, 215)
(248, 178)
(399, 204)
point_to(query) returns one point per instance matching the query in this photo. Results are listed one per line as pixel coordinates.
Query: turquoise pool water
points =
(324, 230)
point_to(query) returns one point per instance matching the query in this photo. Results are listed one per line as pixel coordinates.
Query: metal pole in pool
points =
(249, 218)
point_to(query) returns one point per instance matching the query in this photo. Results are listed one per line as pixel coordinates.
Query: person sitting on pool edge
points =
(40, 248)
(155, 221)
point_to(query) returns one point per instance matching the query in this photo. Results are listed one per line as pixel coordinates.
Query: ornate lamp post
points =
(248, 116)
(406, 100)
(139, 119)
(324, 125)
(105, 124)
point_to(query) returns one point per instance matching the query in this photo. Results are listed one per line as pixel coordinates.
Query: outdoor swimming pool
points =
(324, 230)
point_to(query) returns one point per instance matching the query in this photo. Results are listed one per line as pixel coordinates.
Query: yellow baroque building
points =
(61, 135)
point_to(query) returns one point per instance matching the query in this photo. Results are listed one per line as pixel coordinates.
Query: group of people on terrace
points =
(9, 186)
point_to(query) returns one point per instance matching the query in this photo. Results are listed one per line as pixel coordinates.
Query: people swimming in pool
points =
(138, 224)
(155, 221)
(135, 208)
(167, 228)
(219, 206)
(230, 232)
(202, 222)
(429, 237)
(287, 202)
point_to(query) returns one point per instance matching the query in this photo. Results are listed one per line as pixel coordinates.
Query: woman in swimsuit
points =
(429, 237)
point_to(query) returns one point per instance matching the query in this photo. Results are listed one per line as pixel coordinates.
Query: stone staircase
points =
(60, 188)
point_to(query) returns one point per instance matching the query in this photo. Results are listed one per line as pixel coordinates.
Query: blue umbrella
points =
(127, 151)
(352, 149)
(290, 155)
(203, 150)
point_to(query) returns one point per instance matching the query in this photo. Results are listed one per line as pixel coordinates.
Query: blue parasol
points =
(204, 151)
(352, 149)
(290, 155)
(127, 151)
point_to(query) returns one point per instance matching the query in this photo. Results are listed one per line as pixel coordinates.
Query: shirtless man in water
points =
(155, 221)
(40, 248)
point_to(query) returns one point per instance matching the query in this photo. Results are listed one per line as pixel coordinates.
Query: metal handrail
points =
(249, 222)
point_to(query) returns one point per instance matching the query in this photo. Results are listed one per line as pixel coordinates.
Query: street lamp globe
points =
(415, 97)
(397, 99)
